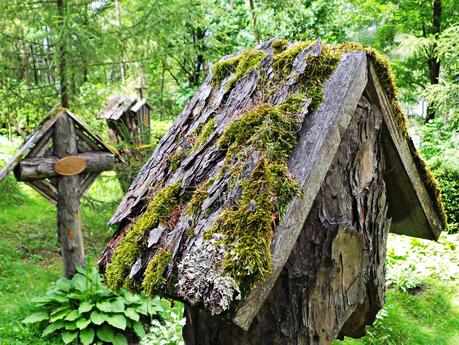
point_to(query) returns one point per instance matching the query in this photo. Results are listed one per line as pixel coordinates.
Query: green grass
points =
(428, 318)
(29, 251)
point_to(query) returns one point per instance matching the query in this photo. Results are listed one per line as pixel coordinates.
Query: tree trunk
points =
(118, 23)
(433, 62)
(68, 203)
(333, 282)
(62, 55)
(256, 33)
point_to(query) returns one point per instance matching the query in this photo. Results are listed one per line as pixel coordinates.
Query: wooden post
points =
(68, 203)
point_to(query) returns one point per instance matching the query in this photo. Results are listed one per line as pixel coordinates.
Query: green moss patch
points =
(134, 243)
(153, 277)
(239, 66)
(204, 133)
(176, 160)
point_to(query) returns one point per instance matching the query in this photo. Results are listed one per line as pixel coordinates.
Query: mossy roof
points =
(213, 195)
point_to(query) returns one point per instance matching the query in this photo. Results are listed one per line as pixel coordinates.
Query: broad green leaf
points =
(87, 336)
(104, 306)
(83, 323)
(52, 327)
(80, 282)
(64, 284)
(68, 337)
(138, 329)
(117, 306)
(59, 315)
(58, 309)
(130, 298)
(105, 333)
(117, 320)
(120, 339)
(142, 309)
(132, 314)
(73, 315)
(97, 317)
(70, 326)
(85, 307)
(37, 317)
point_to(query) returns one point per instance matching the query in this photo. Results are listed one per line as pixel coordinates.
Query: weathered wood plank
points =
(29, 143)
(318, 142)
(411, 206)
(45, 188)
(43, 167)
(68, 199)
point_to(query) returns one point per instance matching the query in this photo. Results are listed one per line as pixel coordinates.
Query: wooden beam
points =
(318, 143)
(410, 206)
(43, 167)
(68, 199)
(45, 188)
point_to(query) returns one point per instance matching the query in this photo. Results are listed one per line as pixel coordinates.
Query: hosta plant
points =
(167, 329)
(84, 311)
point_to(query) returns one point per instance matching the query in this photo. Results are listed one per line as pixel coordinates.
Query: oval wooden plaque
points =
(69, 166)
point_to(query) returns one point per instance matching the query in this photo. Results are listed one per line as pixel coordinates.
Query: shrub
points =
(168, 330)
(83, 308)
(447, 174)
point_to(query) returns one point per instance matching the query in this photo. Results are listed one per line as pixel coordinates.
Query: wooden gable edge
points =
(414, 187)
(314, 153)
(86, 130)
(29, 143)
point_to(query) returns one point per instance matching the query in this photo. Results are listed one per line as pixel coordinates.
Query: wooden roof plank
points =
(412, 208)
(309, 163)
(32, 140)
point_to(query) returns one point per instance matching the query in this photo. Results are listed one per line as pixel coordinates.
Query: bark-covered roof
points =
(213, 215)
(118, 105)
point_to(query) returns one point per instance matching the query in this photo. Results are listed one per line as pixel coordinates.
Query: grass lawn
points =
(29, 252)
(30, 262)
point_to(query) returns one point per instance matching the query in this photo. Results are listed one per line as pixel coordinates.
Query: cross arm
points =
(43, 167)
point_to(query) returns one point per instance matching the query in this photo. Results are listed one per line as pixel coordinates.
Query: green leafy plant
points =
(168, 329)
(84, 309)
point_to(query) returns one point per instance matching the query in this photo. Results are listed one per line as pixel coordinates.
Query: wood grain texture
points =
(68, 199)
(412, 208)
(43, 167)
(333, 282)
(70, 165)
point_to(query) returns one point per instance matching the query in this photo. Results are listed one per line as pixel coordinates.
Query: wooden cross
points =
(61, 159)
(141, 86)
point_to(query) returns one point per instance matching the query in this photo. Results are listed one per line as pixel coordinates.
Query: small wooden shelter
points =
(267, 205)
(128, 120)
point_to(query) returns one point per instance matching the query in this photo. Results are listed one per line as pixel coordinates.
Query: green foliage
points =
(167, 330)
(421, 299)
(130, 248)
(83, 308)
(447, 175)
(136, 155)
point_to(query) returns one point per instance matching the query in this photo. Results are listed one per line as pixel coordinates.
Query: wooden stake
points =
(68, 203)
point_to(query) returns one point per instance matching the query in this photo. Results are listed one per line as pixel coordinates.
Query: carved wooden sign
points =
(60, 160)
(69, 166)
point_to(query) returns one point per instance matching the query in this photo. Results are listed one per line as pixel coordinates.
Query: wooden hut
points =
(267, 205)
(128, 120)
